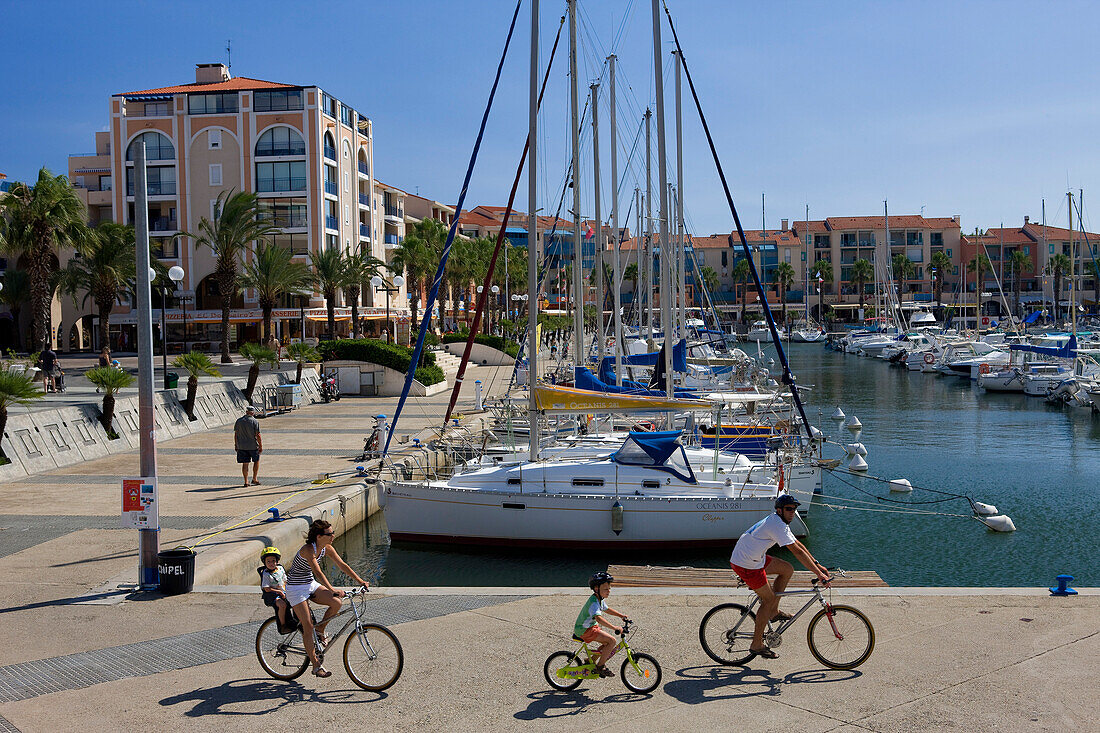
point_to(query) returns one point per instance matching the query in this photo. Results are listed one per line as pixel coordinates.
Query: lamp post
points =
(379, 284)
(163, 333)
(175, 274)
(517, 308)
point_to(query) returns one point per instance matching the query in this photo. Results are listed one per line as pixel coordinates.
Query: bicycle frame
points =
(815, 592)
(357, 621)
(590, 666)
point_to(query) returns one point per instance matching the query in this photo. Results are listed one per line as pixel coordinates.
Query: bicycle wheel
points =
(282, 656)
(555, 662)
(373, 657)
(647, 676)
(848, 646)
(726, 633)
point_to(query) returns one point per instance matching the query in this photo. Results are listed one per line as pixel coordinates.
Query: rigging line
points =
(622, 26)
(788, 378)
(948, 494)
(883, 510)
(450, 238)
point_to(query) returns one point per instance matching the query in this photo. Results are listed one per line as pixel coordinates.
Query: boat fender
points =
(816, 434)
(983, 509)
(929, 358)
(998, 523)
(383, 490)
(838, 414)
(901, 485)
(857, 464)
(855, 449)
(854, 423)
(617, 517)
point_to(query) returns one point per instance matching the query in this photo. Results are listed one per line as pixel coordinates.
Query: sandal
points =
(765, 652)
(782, 616)
(323, 639)
(321, 672)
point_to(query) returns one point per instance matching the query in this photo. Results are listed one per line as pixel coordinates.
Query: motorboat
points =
(759, 331)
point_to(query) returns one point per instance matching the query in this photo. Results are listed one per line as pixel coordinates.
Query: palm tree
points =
(302, 352)
(417, 262)
(328, 277)
(823, 269)
(16, 292)
(238, 221)
(631, 274)
(862, 273)
(109, 380)
(38, 221)
(783, 275)
(942, 263)
(708, 275)
(427, 237)
(359, 268)
(258, 355)
(194, 363)
(903, 269)
(16, 388)
(272, 272)
(741, 274)
(1018, 263)
(1059, 265)
(104, 272)
(979, 265)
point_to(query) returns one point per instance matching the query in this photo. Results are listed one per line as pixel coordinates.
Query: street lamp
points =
(379, 284)
(175, 274)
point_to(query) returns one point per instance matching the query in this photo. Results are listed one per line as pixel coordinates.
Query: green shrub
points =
(495, 342)
(391, 356)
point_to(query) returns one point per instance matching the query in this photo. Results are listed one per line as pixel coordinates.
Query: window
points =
(331, 241)
(935, 239)
(282, 176)
(821, 241)
(786, 255)
(866, 239)
(158, 109)
(157, 147)
(296, 243)
(1027, 248)
(289, 99)
(160, 180)
(215, 174)
(948, 253)
(205, 104)
(104, 183)
(345, 181)
(328, 105)
(848, 239)
(280, 141)
(347, 217)
(285, 213)
(214, 139)
(347, 116)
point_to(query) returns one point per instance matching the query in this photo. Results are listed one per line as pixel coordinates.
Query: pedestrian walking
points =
(248, 444)
(47, 362)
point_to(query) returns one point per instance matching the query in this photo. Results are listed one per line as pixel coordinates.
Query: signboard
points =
(139, 503)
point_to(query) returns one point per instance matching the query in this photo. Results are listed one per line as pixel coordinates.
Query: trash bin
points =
(177, 570)
(171, 380)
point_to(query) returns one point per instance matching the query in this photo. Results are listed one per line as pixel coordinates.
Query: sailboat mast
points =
(888, 264)
(1072, 268)
(647, 274)
(681, 244)
(578, 255)
(806, 270)
(532, 239)
(617, 275)
(662, 223)
(598, 238)
(640, 250)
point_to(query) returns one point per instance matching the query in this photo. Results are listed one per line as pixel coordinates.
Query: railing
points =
(287, 221)
(394, 211)
(272, 150)
(330, 153)
(162, 224)
(166, 250)
(276, 185)
(331, 222)
(363, 168)
(331, 187)
(155, 189)
(364, 231)
(364, 199)
(394, 239)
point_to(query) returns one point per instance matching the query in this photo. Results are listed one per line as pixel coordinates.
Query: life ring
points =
(983, 369)
(929, 358)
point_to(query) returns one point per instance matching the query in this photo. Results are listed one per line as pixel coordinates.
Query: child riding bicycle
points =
(591, 618)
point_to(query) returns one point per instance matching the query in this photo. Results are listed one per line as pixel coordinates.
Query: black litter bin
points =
(172, 380)
(177, 570)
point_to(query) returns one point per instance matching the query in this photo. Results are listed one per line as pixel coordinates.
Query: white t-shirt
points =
(593, 607)
(273, 578)
(750, 549)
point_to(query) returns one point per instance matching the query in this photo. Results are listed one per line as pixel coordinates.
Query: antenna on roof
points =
(229, 53)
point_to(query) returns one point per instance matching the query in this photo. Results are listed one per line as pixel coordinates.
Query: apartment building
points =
(307, 155)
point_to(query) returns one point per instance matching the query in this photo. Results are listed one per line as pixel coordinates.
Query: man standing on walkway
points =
(249, 445)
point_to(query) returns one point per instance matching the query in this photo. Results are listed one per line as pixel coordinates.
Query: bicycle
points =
(373, 656)
(565, 670)
(844, 642)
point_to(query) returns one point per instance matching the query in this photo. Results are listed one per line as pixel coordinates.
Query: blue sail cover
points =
(1033, 317)
(1069, 351)
(660, 450)
(584, 379)
(679, 358)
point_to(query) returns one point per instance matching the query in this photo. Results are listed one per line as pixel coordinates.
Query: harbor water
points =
(1038, 463)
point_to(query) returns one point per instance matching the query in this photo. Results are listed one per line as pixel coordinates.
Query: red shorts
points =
(591, 633)
(753, 578)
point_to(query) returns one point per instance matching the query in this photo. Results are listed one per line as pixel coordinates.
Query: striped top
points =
(301, 572)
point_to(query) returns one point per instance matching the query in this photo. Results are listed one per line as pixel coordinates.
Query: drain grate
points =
(74, 671)
(6, 726)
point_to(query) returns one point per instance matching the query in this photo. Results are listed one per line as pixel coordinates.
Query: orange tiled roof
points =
(1035, 232)
(236, 84)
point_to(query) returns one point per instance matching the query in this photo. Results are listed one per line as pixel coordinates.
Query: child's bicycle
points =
(566, 670)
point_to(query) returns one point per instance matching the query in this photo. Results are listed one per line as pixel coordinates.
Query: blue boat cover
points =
(1034, 316)
(679, 358)
(660, 450)
(1069, 351)
(584, 379)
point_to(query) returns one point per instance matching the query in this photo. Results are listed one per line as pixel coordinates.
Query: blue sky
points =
(972, 108)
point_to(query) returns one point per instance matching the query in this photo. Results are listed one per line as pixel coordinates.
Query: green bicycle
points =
(566, 670)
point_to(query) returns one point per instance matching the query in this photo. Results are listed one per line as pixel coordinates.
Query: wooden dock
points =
(654, 576)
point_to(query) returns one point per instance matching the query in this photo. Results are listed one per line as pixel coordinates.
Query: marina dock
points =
(654, 576)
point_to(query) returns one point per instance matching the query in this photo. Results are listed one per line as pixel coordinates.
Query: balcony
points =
(280, 185)
(363, 170)
(162, 224)
(395, 211)
(392, 240)
(330, 153)
(284, 220)
(165, 249)
(273, 151)
(364, 199)
(332, 188)
(331, 222)
(364, 232)
(154, 188)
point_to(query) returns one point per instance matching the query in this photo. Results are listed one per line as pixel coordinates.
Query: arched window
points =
(280, 141)
(157, 147)
(330, 146)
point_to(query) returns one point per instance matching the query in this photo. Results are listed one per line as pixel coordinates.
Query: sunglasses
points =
(789, 508)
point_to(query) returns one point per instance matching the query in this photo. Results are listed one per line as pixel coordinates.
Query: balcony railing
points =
(364, 199)
(394, 211)
(162, 224)
(363, 168)
(278, 185)
(287, 221)
(155, 189)
(364, 231)
(394, 239)
(330, 153)
(166, 249)
(277, 150)
(332, 188)
(331, 222)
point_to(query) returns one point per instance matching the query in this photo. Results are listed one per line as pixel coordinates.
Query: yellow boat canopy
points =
(562, 400)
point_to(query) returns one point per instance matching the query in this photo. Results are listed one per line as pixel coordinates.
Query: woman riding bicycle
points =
(302, 586)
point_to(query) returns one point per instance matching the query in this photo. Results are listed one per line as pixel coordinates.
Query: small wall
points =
(480, 354)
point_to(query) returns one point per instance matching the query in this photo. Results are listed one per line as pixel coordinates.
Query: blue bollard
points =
(274, 511)
(1063, 589)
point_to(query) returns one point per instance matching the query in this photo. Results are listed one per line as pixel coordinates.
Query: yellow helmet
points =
(270, 550)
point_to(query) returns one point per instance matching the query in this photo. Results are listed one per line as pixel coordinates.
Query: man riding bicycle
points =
(752, 564)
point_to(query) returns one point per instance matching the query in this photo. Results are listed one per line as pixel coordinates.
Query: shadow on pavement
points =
(221, 699)
(732, 683)
(129, 594)
(552, 704)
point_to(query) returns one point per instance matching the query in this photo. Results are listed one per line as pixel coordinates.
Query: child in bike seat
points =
(591, 618)
(273, 583)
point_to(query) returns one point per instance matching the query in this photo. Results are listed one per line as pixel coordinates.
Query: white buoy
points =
(816, 434)
(985, 510)
(838, 414)
(857, 464)
(855, 449)
(771, 362)
(901, 485)
(854, 423)
(998, 523)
